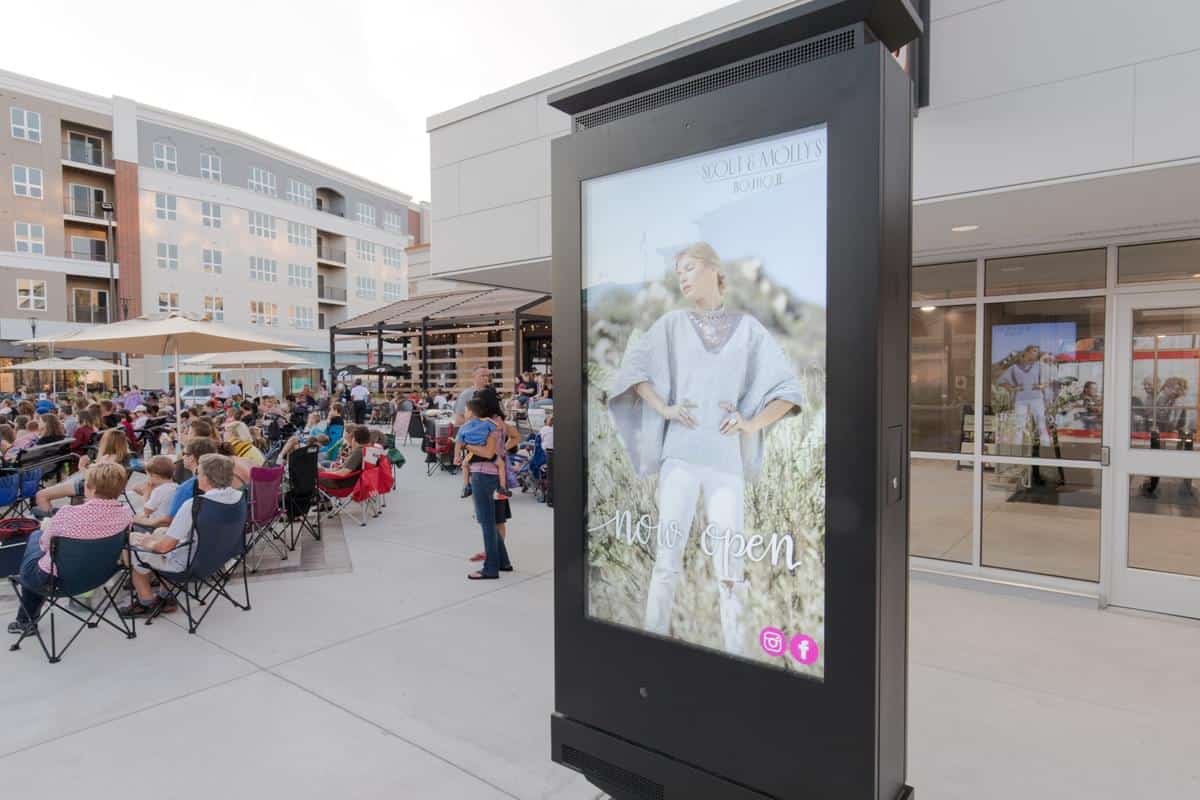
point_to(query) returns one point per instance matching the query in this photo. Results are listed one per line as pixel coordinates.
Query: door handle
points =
(1105, 456)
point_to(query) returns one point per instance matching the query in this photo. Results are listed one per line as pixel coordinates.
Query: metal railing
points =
(328, 252)
(82, 208)
(84, 153)
(326, 208)
(92, 315)
(87, 255)
(331, 293)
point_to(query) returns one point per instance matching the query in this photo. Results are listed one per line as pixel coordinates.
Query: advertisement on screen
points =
(704, 289)
(1046, 386)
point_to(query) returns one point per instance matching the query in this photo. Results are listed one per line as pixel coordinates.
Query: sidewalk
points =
(398, 678)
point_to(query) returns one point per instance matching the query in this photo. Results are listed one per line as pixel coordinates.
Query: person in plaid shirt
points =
(101, 516)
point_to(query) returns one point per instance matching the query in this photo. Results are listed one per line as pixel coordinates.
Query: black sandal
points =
(479, 576)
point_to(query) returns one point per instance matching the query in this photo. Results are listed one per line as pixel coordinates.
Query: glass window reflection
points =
(1164, 524)
(940, 510)
(1042, 519)
(942, 379)
(1046, 362)
(1165, 378)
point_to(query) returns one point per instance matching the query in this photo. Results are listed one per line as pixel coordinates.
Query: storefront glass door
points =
(1156, 513)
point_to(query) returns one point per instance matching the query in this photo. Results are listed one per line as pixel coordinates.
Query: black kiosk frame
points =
(636, 713)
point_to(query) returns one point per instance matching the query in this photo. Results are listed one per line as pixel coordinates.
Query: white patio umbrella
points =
(258, 360)
(56, 365)
(172, 334)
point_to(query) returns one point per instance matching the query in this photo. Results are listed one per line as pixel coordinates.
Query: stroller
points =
(529, 463)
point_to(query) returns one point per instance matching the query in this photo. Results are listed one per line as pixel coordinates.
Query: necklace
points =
(714, 327)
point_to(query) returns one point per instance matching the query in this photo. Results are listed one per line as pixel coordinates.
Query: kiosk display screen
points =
(704, 293)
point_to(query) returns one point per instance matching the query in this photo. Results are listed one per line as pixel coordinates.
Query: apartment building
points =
(189, 216)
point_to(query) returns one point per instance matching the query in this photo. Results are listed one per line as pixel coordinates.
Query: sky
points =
(636, 221)
(348, 82)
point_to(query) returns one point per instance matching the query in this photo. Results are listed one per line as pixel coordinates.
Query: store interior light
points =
(1196, 274)
(927, 309)
(964, 228)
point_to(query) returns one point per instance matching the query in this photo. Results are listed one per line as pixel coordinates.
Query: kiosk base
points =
(643, 774)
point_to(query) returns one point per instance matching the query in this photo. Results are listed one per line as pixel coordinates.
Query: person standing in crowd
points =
(266, 389)
(485, 482)
(234, 391)
(132, 398)
(481, 379)
(358, 397)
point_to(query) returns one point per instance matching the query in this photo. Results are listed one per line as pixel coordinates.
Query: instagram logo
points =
(773, 642)
(804, 649)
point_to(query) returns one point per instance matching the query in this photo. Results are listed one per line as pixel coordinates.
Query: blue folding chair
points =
(80, 566)
(10, 494)
(217, 549)
(329, 451)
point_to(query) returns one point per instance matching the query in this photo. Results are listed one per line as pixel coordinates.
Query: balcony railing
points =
(331, 293)
(328, 252)
(83, 153)
(92, 315)
(94, 254)
(324, 206)
(83, 208)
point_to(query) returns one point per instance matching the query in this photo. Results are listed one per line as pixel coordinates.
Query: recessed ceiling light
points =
(1196, 274)
(964, 228)
(927, 309)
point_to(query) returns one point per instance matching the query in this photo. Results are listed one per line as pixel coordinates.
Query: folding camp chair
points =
(216, 550)
(343, 492)
(264, 525)
(80, 566)
(10, 493)
(301, 499)
(329, 451)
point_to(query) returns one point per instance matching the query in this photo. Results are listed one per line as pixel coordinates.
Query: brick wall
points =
(129, 245)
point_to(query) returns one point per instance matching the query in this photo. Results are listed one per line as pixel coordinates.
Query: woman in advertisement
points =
(691, 402)
(1027, 379)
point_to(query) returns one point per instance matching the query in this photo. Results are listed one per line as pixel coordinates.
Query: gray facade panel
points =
(236, 162)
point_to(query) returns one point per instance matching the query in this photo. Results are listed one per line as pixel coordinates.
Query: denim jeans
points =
(483, 487)
(33, 579)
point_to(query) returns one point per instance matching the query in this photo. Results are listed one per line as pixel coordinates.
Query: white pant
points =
(1024, 406)
(679, 486)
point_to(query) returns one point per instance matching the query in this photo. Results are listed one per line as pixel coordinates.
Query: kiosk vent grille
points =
(765, 64)
(610, 777)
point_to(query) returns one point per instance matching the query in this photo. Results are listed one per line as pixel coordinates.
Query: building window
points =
(1049, 272)
(262, 181)
(214, 307)
(27, 181)
(164, 205)
(364, 250)
(168, 256)
(300, 193)
(366, 214)
(942, 378)
(301, 317)
(210, 213)
(365, 287)
(30, 238)
(300, 234)
(262, 224)
(393, 222)
(85, 248)
(25, 124)
(393, 291)
(264, 269)
(263, 313)
(393, 256)
(300, 276)
(168, 302)
(210, 167)
(211, 261)
(165, 157)
(31, 295)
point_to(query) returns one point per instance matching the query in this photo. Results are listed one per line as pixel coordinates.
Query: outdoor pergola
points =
(437, 340)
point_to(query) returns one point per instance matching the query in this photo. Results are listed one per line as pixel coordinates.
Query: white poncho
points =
(748, 371)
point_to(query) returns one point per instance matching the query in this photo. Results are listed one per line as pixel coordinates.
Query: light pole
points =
(107, 208)
(33, 335)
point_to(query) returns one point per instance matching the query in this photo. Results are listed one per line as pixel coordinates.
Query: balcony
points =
(84, 210)
(95, 253)
(331, 294)
(85, 156)
(91, 315)
(333, 255)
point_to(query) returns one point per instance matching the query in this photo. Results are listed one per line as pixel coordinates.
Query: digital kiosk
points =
(731, 263)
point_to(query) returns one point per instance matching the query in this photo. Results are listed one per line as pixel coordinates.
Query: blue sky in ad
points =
(764, 199)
